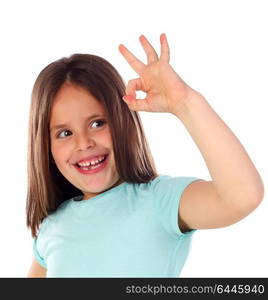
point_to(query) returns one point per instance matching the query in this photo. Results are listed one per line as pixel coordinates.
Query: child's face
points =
(81, 138)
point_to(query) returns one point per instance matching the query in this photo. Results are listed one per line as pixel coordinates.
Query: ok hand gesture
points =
(165, 90)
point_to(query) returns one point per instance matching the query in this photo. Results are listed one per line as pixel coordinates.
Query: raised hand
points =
(165, 90)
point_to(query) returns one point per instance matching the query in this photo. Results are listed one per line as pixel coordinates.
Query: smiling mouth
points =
(92, 166)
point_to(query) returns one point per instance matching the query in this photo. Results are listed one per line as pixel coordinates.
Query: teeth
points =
(90, 163)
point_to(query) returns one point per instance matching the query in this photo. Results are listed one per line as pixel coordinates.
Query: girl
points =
(96, 205)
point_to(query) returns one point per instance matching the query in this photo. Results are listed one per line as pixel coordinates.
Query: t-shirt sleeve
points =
(167, 192)
(37, 255)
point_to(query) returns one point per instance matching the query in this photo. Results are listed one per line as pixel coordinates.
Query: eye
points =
(63, 134)
(100, 121)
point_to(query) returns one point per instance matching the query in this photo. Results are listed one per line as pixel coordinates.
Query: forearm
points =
(232, 171)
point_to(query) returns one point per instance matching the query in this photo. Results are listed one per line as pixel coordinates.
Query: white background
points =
(218, 47)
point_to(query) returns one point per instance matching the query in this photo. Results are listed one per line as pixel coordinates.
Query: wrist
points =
(185, 107)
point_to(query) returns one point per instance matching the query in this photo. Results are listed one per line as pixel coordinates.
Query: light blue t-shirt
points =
(130, 230)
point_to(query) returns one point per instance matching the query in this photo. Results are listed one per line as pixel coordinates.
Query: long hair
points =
(47, 187)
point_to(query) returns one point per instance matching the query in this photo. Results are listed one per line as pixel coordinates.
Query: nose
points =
(84, 141)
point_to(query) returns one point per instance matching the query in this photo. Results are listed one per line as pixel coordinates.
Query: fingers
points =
(149, 50)
(136, 104)
(134, 62)
(152, 56)
(130, 98)
(133, 86)
(165, 53)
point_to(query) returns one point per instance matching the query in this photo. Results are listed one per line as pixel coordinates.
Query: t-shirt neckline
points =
(78, 200)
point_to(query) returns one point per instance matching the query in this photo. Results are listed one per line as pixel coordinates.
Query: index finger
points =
(134, 62)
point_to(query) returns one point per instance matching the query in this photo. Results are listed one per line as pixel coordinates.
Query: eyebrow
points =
(59, 126)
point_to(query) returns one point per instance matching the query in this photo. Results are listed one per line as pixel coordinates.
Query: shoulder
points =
(55, 215)
(167, 192)
(162, 186)
(164, 183)
(156, 185)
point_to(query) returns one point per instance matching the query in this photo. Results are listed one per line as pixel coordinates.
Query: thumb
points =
(130, 98)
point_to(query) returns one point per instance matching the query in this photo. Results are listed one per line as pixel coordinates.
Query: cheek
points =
(58, 152)
(104, 139)
(107, 138)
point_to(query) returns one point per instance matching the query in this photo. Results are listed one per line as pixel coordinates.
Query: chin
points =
(97, 186)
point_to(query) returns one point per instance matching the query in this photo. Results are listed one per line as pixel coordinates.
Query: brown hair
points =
(47, 187)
